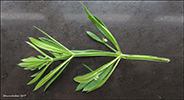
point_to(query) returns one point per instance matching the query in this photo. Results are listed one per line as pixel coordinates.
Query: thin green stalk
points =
(111, 47)
(145, 57)
(87, 67)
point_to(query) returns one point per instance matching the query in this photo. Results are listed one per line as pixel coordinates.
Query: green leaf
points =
(99, 21)
(93, 36)
(33, 66)
(52, 38)
(107, 77)
(37, 49)
(34, 75)
(32, 63)
(81, 86)
(25, 64)
(42, 65)
(50, 42)
(46, 46)
(39, 75)
(94, 83)
(92, 75)
(88, 77)
(49, 75)
(41, 57)
(51, 81)
(102, 28)
(30, 68)
(32, 59)
(57, 54)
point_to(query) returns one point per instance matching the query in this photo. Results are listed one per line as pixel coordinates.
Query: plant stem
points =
(145, 57)
(96, 54)
(111, 47)
(124, 56)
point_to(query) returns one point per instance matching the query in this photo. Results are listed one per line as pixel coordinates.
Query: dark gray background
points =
(153, 28)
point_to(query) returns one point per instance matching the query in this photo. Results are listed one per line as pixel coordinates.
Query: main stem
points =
(96, 54)
(124, 56)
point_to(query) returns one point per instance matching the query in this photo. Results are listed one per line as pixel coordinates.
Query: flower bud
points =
(104, 40)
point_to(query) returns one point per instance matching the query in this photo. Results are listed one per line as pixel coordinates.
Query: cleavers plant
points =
(88, 82)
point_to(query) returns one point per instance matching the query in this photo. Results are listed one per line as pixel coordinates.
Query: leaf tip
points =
(35, 88)
(35, 27)
(19, 64)
(28, 83)
(45, 89)
(168, 60)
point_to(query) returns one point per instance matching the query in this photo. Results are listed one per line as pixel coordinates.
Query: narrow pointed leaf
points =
(50, 42)
(81, 86)
(41, 57)
(46, 46)
(34, 75)
(33, 59)
(56, 54)
(49, 75)
(102, 28)
(34, 65)
(52, 38)
(24, 64)
(51, 81)
(99, 21)
(42, 65)
(37, 49)
(106, 78)
(90, 76)
(93, 36)
(94, 83)
(30, 68)
(39, 75)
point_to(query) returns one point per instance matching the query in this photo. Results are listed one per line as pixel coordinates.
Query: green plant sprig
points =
(88, 82)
